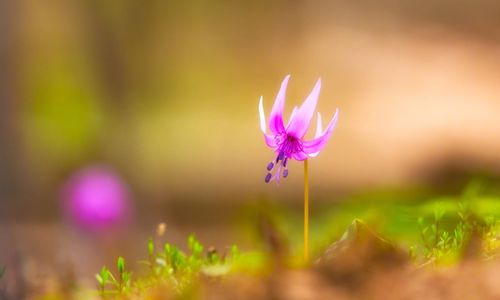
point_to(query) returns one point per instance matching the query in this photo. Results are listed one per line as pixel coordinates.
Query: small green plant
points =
(491, 245)
(124, 277)
(2, 272)
(168, 266)
(440, 243)
(446, 241)
(105, 278)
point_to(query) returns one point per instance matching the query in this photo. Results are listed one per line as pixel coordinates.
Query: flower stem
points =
(306, 211)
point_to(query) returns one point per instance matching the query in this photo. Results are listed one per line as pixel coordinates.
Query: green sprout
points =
(123, 276)
(171, 267)
(103, 278)
(454, 233)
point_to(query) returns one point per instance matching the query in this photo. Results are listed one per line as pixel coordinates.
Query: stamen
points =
(268, 177)
(281, 155)
(278, 167)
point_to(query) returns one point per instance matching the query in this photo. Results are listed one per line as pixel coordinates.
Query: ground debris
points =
(360, 249)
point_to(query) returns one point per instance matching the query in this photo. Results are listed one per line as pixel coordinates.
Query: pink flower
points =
(96, 198)
(288, 142)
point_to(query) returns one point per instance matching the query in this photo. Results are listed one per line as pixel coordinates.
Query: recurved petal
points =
(301, 120)
(294, 111)
(270, 141)
(276, 118)
(319, 126)
(313, 147)
(319, 131)
(299, 156)
(262, 116)
(313, 154)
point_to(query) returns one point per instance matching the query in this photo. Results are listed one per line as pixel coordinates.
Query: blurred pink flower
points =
(96, 198)
(288, 142)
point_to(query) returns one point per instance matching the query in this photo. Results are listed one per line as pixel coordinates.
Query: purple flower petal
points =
(270, 141)
(299, 156)
(302, 119)
(276, 118)
(319, 131)
(294, 111)
(319, 126)
(315, 145)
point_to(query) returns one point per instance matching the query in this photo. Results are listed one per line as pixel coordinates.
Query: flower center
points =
(287, 146)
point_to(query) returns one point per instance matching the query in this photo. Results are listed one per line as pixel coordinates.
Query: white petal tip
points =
(262, 117)
(319, 126)
(285, 80)
(335, 119)
(313, 154)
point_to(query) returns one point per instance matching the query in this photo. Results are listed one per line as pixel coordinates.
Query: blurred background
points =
(162, 97)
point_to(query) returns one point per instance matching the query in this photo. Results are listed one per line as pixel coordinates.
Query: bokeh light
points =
(96, 198)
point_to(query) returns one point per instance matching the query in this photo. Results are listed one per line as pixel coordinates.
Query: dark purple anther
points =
(270, 166)
(285, 173)
(281, 155)
(268, 177)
